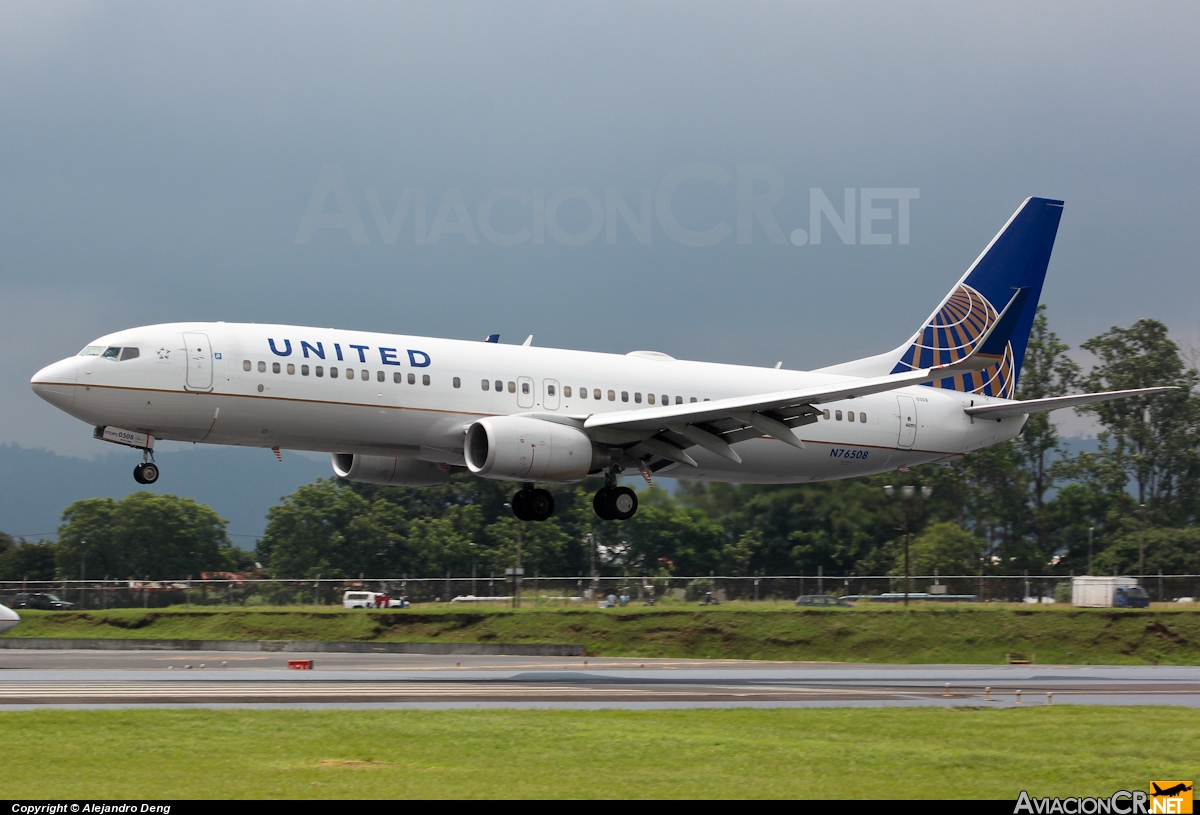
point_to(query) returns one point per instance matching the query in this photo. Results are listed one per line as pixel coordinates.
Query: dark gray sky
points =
(157, 162)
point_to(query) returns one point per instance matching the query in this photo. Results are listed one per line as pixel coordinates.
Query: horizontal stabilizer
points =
(1009, 409)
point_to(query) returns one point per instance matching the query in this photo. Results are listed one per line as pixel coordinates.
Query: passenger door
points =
(908, 421)
(199, 360)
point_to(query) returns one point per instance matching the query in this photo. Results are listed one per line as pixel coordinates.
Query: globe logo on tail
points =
(950, 335)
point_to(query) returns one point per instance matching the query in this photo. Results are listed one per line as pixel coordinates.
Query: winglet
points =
(492, 338)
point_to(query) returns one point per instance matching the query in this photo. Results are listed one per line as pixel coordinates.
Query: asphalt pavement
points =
(92, 679)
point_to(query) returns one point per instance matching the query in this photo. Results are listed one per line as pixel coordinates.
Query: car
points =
(821, 600)
(42, 600)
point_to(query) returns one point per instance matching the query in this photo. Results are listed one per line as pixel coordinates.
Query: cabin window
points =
(487, 384)
(583, 393)
(612, 396)
(333, 373)
(412, 379)
(275, 367)
(837, 414)
(679, 400)
(129, 353)
(637, 397)
(624, 396)
(596, 394)
(499, 386)
(366, 376)
(349, 373)
(425, 379)
(291, 369)
(825, 413)
(246, 365)
(862, 417)
(262, 367)
(693, 399)
(380, 376)
(567, 391)
(524, 387)
(512, 387)
(320, 371)
(456, 382)
(650, 398)
(550, 390)
(397, 377)
(303, 370)
(850, 415)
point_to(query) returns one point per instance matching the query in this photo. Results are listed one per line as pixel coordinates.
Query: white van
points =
(367, 599)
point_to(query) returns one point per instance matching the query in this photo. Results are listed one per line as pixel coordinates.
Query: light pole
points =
(906, 495)
(471, 544)
(1142, 545)
(517, 572)
(591, 539)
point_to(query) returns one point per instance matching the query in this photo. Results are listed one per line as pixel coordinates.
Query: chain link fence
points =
(579, 591)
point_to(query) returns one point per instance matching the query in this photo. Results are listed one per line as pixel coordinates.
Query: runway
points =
(102, 679)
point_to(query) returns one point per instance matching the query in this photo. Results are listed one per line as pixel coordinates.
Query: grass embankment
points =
(932, 634)
(404, 754)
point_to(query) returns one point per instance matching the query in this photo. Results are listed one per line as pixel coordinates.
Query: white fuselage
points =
(8, 619)
(258, 386)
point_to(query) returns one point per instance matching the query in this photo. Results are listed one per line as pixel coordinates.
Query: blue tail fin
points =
(1016, 259)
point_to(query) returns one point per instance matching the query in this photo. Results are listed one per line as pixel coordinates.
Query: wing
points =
(1009, 409)
(715, 425)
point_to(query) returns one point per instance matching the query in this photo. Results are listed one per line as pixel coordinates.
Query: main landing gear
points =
(530, 504)
(613, 503)
(147, 471)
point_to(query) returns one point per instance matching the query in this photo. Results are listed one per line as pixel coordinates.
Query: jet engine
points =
(399, 472)
(516, 448)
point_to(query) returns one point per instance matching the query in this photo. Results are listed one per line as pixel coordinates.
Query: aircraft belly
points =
(326, 427)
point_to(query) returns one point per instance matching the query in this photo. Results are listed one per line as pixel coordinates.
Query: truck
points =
(1108, 592)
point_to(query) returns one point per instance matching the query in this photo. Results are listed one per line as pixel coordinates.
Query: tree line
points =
(1022, 505)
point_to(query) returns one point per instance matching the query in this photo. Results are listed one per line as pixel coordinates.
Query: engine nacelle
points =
(399, 472)
(516, 448)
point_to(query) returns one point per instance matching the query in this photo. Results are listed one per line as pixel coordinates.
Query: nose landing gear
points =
(147, 471)
(530, 504)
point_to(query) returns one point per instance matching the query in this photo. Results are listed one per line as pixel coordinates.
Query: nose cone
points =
(8, 618)
(56, 383)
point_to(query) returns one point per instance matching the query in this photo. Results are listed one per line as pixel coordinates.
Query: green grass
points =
(783, 753)
(930, 634)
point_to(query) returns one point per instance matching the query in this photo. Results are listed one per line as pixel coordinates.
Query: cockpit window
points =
(112, 353)
(129, 353)
(92, 351)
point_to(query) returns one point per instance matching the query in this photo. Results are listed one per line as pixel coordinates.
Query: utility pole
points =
(1091, 531)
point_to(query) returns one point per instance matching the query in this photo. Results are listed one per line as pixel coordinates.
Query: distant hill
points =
(239, 483)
